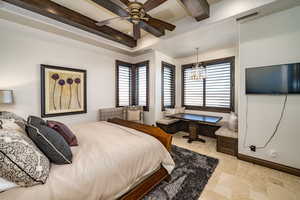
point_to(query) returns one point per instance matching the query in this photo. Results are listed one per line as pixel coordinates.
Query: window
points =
(142, 83)
(216, 92)
(124, 84)
(168, 85)
(132, 81)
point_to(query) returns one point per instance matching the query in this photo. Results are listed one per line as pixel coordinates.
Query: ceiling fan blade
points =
(118, 10)
(160, 24)
(126, 2)
(151, 4)
(107, 21)
(113, 7)
(136, 31)
(156, 31)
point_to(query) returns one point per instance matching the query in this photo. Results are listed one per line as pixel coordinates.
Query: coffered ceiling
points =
(170, 11)
(218, 31)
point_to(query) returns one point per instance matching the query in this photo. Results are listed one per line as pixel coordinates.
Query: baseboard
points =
(280, 167)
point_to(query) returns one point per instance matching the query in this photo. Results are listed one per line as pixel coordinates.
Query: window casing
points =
(168, 85)
(216, 92)
(132, 84)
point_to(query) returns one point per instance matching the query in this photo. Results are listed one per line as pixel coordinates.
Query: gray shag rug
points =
(188, 179)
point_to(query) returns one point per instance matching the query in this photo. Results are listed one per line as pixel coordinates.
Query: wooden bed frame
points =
(147, 185)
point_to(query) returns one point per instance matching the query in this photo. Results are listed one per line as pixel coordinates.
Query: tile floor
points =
(234, 179)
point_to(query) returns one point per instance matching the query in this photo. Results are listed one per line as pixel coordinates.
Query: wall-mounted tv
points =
(276, 79)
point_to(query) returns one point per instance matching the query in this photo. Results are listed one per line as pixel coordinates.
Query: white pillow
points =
(180, 109)
(170, 111)
(6, 185)
(133, 115)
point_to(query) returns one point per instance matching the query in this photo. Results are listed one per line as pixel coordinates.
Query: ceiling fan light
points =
(135, 21)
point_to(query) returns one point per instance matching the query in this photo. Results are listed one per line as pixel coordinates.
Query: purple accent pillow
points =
(64, 131)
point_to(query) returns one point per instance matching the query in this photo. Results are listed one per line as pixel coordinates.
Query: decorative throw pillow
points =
(50, 142)
(21, 162)
(133, 115)
(180, 109)
(169, 111)
(64, 131)
(9, 115)
(233, 122)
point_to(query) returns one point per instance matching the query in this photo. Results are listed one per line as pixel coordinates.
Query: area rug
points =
(188, 179)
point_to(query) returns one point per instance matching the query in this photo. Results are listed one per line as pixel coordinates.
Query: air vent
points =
(247, 16)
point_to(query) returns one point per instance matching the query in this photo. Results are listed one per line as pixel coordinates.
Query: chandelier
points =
(198, 71)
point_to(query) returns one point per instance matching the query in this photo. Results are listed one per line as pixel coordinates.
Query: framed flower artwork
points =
(63, 91)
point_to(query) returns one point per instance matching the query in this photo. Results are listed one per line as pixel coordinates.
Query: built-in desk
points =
(193, 123)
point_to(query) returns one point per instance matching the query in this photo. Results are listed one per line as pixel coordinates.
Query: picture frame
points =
(63, 91)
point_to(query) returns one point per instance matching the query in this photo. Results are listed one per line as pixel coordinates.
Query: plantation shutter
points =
(124, 85)
(215, 92)
(168, 85)
(142, 85)
(218, 85)
(192, 89)
(132, 84)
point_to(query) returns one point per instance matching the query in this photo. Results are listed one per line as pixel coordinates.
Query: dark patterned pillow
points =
(21, 161)
(49, 141)
(64, 131)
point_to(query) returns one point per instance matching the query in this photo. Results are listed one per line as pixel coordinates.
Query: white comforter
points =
(109, 160)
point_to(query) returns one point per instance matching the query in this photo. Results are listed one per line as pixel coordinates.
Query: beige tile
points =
(223, 190)
(275, 181)
(210, 195)
(276, 192)
(258, 196)
(234, 179)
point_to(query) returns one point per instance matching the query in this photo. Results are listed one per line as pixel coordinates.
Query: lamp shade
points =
(6, 97)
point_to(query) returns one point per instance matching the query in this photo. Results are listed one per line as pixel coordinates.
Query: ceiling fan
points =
(136, 13)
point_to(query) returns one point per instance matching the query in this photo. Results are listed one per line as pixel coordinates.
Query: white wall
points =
(155, 58)
(23, 49)
(159, 58)
(211, 55)
(271, 40)
(150, 115)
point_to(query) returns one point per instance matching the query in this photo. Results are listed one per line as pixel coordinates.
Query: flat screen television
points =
(276, 79)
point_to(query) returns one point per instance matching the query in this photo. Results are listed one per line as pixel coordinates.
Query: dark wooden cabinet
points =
(227, 145)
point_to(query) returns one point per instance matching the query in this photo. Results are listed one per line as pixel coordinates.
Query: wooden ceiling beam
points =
(62, 14)
(199, 9)
(126, 2)
(111, 6)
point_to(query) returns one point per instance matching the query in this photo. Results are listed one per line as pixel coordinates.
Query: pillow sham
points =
(49, 141)
(18, 120)
(64, 131)
(10, 124)
(21, 162)
(6, 185)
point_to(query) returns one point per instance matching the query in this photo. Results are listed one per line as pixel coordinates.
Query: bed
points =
(114, 160)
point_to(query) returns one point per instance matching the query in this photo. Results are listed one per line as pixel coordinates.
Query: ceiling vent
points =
(247, 16)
